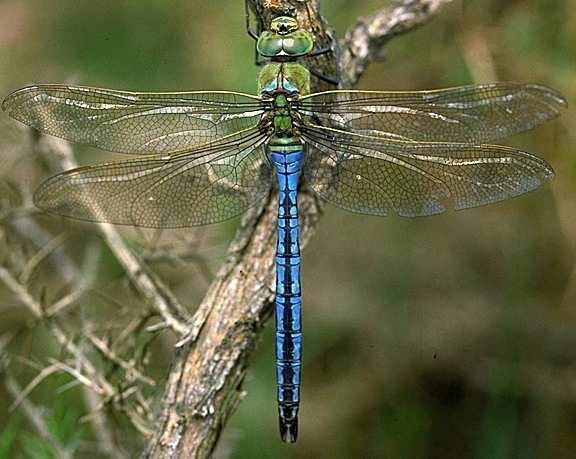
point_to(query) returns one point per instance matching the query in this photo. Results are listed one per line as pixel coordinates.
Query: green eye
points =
(269, 44)
(298, 43)
(295, 44)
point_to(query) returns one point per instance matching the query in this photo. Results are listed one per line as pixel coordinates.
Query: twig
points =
(131, 371)
(85, 281)
(35, 416)
(93, 375)
(41, 376)
(78, 376)
(146, 282)
(28, 228)
(21, 292)
(43, 253)
(106, 442)
(364, 42)
(186, 255)
(83, 276)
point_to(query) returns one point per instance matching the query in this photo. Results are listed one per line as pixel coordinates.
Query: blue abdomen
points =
(287, 160)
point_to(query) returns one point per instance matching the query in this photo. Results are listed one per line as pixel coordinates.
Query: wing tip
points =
(12, 96)
(549, 172)
(551, 94)
(6, 101)
(546, 170)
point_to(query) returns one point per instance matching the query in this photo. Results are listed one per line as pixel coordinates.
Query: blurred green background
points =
(447, 337)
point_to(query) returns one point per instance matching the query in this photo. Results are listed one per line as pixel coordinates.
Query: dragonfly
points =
(203, 157)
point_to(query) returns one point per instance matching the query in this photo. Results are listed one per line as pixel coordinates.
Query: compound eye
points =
(269, 44)
(298, 43)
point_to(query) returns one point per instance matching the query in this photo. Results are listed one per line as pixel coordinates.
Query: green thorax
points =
(281, 83)
(282, 120)
(290, 77)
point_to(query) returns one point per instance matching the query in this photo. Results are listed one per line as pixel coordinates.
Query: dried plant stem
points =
(36, 417)
(364, 42)
(146, 282)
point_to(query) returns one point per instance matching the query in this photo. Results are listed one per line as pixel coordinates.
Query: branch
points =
(84, 370)
(36, 416)
(364, 42)
(147, 283)
(27, 228)
(97, 380)
(204, 384)
(106, 441)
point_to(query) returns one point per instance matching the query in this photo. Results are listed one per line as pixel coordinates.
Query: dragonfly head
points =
(283, 25)
(285, 40)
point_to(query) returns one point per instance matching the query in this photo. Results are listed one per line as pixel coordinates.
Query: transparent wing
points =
(134, 123)
(469, 114)
(379, 176)
(198, 187)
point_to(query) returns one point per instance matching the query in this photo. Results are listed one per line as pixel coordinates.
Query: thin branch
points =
(78, 376)
(59, 333)
(188, 254)
(85, 282)
(145, 281)
(364, 42)
(27, 228)
(81, 279)
(35, 415)
(43, 253)
(139, 417)
(106, 441)
(41, 376)
(131, 371)
(21, 292)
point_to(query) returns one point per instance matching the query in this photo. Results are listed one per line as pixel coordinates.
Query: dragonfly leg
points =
(321, 51)
(249, 30)
(327, 79)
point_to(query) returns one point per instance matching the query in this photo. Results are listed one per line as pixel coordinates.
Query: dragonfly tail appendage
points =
(288, 421)
(287, 160)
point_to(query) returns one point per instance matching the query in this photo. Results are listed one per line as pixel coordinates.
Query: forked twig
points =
(36, 417)
(364, 41)
(146, 282)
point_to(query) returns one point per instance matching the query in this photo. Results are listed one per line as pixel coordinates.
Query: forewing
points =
(469, 114)
(133, 123)
(198, 187)
(381, 177)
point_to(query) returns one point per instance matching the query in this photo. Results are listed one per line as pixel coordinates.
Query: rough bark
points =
(204, 385)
